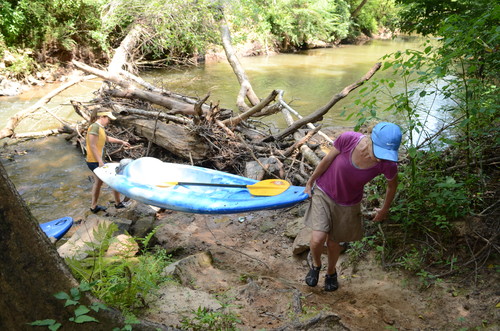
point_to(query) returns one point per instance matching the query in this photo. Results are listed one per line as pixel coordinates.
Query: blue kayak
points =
(57, 228)
(143, 179)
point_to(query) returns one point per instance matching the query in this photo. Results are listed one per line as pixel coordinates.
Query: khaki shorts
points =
(342, 223)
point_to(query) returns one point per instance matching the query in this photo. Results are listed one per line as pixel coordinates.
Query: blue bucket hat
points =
(386, 138)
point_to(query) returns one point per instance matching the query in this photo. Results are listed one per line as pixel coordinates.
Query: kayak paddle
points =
(267, 187)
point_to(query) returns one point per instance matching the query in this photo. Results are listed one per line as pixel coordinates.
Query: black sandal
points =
(98, 209)
(119, 205)
(331, 283)
(313, 276)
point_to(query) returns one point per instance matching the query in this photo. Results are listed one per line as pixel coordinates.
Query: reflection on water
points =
(52, 178)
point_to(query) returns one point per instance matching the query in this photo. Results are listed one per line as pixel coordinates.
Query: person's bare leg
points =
(96, 191)
(316, 245)
(333, 249)
(331, 282)
(116, 194)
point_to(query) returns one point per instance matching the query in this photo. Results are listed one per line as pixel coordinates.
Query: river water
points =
(51, 175)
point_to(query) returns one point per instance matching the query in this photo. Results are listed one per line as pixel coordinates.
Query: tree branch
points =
(318, 114)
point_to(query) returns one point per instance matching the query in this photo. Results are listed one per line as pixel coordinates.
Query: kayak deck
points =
(143, 180)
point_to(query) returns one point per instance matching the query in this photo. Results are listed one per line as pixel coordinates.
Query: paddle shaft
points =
(212, 184)
(268, 187)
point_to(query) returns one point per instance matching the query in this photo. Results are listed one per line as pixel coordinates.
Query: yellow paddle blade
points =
(167, 184)
(268, 187)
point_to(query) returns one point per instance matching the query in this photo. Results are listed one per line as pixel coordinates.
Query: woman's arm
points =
(323, 165)
(117, 141)
(392, 186)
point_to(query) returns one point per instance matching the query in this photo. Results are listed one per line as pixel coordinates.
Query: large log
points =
(122, 53)
(133, 92)
(123, 110)
(177, 139)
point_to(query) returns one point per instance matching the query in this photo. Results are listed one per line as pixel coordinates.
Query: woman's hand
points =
(380, 214)
(308, 189)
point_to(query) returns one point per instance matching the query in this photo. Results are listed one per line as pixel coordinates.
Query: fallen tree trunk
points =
(179, 140)
(120, 59)
(44, 133)
(152, 114)
(133, 92)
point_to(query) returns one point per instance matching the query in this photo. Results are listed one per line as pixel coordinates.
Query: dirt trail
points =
(254, 266)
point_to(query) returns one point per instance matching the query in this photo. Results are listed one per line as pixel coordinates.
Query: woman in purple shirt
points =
(334, 214)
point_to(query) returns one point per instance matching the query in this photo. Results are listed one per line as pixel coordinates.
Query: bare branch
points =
(318, 114)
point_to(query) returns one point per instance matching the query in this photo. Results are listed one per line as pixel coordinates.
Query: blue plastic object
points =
(57, 228)
(142, 180)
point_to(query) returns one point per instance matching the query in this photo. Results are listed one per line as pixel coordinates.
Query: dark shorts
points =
(342, 223)
(92, 165)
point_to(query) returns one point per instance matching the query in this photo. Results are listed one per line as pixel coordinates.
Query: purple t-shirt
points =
(342, 181)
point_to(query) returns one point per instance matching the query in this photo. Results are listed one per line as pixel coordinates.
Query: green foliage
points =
(294, 23)
(206, 319)
(358, 249)
(172, 29)
(80, 311)
(50, 26)
(426, 16)
(374, 14)
(412, 260)
(120, 281)
(431, 201)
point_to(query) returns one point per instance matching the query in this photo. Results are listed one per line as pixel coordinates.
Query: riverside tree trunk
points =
(31, 272)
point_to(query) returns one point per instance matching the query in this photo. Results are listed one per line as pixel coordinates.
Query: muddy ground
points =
(255, 272)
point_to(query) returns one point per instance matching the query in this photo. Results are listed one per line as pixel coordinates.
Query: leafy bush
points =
(206, 319)
(51, 26)
(294, 23)
(81, 312)
(120, 282)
